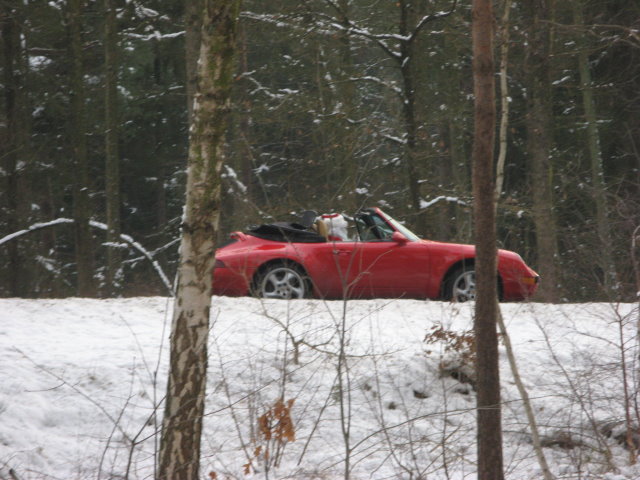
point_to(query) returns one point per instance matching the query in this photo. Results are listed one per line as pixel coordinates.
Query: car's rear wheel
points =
(460, 286)
(282, 280)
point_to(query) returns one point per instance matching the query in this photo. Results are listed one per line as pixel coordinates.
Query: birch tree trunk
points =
(490, 463)
(184, 408)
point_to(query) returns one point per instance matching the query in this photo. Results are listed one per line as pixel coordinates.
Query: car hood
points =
(468, 251)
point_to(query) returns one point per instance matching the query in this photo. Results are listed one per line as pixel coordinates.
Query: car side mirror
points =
(399, 238)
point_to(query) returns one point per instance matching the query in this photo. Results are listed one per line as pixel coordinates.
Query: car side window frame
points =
(373, 228)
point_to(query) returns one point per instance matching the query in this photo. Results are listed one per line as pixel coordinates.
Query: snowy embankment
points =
(82, 381)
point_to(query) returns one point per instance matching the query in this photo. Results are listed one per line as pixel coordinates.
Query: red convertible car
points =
(370, 255)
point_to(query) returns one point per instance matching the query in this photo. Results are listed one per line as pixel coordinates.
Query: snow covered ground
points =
(82, 381)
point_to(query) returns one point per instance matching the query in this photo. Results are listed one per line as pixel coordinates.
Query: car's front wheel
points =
(282, 281)
(460, 286)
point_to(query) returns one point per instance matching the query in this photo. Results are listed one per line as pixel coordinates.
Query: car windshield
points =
(403, 230)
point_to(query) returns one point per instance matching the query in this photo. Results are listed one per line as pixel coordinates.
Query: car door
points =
(390, 269)
(376, 265)
(347, 269)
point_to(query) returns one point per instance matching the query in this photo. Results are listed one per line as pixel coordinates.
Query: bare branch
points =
(430, 18)
(126, 238)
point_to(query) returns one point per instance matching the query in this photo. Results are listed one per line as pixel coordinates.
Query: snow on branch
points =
(142, 250)
(329, 25)
(145, 12)
(101, 226)
(400, 140)
(379, 39)
(154, 35)
(364, 32)
(350, 28)
(282, 21)
(436, 16)
(34, 227)
(378, 81)
(426, 204)
(155, 252)
(282, 93)
(232, 176)
(266, 18)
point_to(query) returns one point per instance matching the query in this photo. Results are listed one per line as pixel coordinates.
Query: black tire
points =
(284, 280)
(460, 284)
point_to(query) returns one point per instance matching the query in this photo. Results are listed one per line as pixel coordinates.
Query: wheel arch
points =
(275, 262)
(463, 264)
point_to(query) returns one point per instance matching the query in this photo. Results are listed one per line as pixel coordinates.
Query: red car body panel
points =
(364, 269)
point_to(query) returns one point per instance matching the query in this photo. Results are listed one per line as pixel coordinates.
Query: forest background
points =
(338, 104)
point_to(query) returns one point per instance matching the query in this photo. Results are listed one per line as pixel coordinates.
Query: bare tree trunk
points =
(504, 123)
(539, 128)
(239, 206)
(408, 31)
(459, 175)
(244, 126)
(461, 216)
(13, 148)
(348, 172)
(490, 464)
(504, 99)
(193, 24)
(81, 204)
(182, 424)
(409, 115)
(112, 170)
(595, 155)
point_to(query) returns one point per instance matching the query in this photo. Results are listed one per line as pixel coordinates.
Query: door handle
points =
(342, 252)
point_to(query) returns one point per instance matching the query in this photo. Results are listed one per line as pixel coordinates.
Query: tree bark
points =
(504, 123)
(347, 95)
(461, 216)
(408, 31)
(490, 463)
(539, 127)
(182, 424)
(504, 99)
(13, 146)
(80, 174)
(409, 113)
(606, 262)
(112, 160)
(193, 24)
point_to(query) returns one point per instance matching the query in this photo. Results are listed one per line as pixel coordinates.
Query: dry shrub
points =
(459, 356)
(275, 430)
